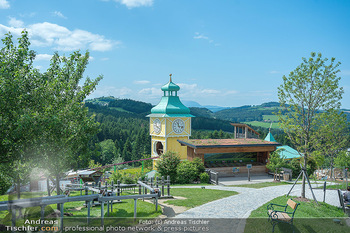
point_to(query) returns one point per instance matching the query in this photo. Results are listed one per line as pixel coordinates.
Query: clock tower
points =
(170, 120)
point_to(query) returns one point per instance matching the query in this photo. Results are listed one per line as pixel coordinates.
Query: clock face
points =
(178, 126)
(157, 126)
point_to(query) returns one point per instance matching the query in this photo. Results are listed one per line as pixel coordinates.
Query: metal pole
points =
(324, 191)
(42, 211)
(61, 216)
(88, 213)
(294, 184)
(308, 181)
(248, 174)
(135, 207)
(162, 185)
(102, 212)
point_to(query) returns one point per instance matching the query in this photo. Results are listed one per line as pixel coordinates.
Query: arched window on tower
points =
(159, 148)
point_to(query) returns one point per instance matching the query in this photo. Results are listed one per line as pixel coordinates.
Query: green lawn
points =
(260, 185)
(270, 118)
(177, 185)
(309, 217)
(196, 196)
(262, 124)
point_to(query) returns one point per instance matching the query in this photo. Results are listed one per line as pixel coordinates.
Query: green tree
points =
(43, 118)
(276, 162)
(167, 165)
(342, 160)
(313, 86)
(108, 151)
(333, 135)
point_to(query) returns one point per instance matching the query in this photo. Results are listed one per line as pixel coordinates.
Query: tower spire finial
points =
(170, 77)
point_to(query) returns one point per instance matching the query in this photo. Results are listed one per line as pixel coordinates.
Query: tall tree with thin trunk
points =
(311, 88)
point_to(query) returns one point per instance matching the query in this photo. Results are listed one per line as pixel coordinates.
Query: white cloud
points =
(151, 92)
(61, 38)
(59, 14)
(43, 57)
(200, 36)
(13, 22)
(4, 4)
(141, 82)
(135, 3)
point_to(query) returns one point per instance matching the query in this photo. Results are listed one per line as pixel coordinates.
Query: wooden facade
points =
(196, 148)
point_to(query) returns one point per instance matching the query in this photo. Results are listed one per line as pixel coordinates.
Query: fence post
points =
(151, 182)
(139, 187)
(118, 187)
(157, 181)
(168, 184)
(112, 184)
(135, 208)
(162, 185)
(88, 212)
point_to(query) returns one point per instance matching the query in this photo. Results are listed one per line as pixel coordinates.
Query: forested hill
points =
(124, 127)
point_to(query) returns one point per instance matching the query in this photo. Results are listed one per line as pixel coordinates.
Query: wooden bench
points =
(281, 215)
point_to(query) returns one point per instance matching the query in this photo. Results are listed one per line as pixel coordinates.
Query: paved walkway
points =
(241, 205)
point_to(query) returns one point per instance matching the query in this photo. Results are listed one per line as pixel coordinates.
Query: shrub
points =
(204, 178)
(186, 172)
(199, 165)
(167, 165)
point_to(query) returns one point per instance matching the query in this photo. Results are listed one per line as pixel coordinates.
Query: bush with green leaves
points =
(167, 165)
(199, 165)
(186, 172)
(204, 178)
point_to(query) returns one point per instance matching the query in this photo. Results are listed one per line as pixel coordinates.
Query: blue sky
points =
(226, 53)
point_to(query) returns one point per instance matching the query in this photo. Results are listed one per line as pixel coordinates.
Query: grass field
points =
(263, 124)
(309, 217)
(270, 118)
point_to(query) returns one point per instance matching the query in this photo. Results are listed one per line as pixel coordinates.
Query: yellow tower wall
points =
(175, 146)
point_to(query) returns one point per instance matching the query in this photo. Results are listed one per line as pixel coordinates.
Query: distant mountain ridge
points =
(259, 115)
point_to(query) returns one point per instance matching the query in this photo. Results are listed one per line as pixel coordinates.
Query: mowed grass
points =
(309, 217)
(260, 185)
(270, 118)
(262, 124)
(196, 196)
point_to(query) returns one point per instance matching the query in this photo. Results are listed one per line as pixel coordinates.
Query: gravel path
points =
(241, 205)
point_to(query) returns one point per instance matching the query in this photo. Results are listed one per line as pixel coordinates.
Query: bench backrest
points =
(292, 204)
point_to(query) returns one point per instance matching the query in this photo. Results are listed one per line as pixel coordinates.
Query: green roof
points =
(170, 104)
(170, 86)
(269, 138)
(288, 152)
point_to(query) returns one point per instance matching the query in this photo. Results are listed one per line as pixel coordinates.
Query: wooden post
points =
(162, 185)
(168, 184)
(118, 187)
(139, 187)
